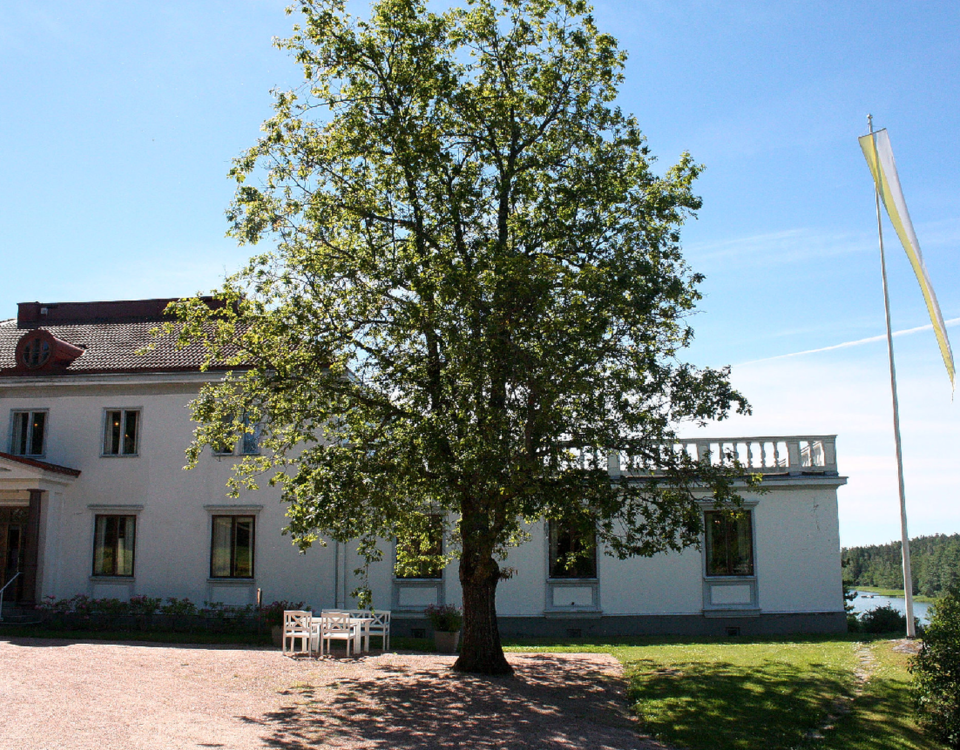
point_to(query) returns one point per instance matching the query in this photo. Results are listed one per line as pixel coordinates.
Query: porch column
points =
(31, 551)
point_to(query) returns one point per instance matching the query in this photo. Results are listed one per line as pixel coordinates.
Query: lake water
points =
(867, 601)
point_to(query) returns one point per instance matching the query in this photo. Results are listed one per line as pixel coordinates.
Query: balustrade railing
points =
(793, 455)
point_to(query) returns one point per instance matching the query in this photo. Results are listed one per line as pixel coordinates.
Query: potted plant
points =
(446, 620)
(273, 617)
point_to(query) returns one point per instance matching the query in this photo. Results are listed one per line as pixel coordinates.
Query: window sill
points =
(586, 613)
(572, 581)
(232, 581)
(113, 579)
(119, 455)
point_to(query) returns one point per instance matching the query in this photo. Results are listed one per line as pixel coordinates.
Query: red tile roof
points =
(110, 333)
(41, 464)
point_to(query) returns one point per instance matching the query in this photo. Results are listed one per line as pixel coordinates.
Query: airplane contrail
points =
(846, 344)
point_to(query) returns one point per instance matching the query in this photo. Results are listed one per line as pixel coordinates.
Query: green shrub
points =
(883, 619)
(936, 672)
(273, 612)
(178, 607)
(444, 617)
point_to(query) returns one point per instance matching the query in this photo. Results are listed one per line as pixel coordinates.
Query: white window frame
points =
(114, 510)
(439, 520)
(124, 411)
(12, 443)
(240, 445)
(748, 512)
(550, 524)
(233, 510)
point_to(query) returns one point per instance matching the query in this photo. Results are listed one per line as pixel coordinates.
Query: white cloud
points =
(847, 392)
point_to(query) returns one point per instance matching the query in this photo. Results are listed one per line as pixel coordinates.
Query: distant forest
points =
(934, 562)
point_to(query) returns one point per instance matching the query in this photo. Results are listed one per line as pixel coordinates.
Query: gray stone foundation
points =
(599, 626)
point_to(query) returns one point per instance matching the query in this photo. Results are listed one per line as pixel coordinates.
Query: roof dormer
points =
(39, 350)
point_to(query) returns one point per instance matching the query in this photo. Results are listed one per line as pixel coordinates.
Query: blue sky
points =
(119, 121)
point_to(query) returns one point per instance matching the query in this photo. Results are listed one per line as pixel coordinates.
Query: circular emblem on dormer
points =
(40, 349)
(36, 352)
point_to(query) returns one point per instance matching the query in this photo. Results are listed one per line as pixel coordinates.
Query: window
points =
(121, 431)
(113, 545)
(573, 553)
(28, 433)
(729, 543)
(422, 551)
(231, 547)
(36, 353)
(249, 442)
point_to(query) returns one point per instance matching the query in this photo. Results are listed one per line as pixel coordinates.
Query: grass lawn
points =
(729, 695)
(882, 717)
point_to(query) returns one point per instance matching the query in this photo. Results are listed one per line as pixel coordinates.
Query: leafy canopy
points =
(476, 291)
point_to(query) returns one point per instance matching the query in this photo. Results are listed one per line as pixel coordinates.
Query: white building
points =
(94, 500)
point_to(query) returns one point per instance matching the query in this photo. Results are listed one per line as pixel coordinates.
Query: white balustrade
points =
(793, 455)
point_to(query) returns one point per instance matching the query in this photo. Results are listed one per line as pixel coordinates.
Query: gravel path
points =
(72, 695)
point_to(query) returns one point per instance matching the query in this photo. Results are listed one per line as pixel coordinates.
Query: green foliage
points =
(178, 607)
(476, 292)
(144, 612)
(144, 605)
(883, 619)
(444, 617)
(936, 672)
(273, 612)
(934, 563)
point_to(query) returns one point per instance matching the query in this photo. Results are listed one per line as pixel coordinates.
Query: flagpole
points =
(907, 575)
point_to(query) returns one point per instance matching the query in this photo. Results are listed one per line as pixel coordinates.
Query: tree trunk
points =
(480, 649)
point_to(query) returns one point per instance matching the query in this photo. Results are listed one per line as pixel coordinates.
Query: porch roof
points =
(43, 465)
(18, 474)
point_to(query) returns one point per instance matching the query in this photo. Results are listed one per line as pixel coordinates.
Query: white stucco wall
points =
(174, 517)
(797, 550)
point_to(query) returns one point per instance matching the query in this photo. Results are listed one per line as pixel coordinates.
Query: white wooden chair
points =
(337, 626)
(380, 626)
(377, 623)
(298, 626)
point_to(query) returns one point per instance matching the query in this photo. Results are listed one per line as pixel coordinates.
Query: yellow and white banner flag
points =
(879, 155)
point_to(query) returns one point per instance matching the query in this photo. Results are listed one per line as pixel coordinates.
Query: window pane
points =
(21, 426)
(36, 437)
(572, 553)
(126, 533)
(130, 432)
(251, 440)
(729, 544)
(111, 436)
(113, 545)
(430, 546)
(220, 547)
(100, 553)
(243, 548)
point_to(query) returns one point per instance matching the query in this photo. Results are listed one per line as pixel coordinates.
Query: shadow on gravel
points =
(550, 702)
(69, 640)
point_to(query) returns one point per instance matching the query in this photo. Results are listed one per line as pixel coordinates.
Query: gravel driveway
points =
(72, 695)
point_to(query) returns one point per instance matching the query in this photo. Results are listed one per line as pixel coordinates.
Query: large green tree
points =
(476, 294)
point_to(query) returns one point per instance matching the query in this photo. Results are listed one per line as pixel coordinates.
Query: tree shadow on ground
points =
(772, 705)
(552, 701)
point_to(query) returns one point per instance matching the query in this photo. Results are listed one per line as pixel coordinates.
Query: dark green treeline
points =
(934, 561)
